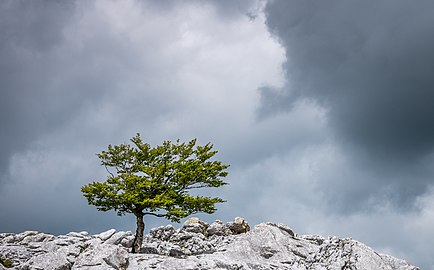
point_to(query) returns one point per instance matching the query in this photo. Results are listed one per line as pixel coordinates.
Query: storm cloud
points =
(370, 64)
(26, 72)
(77, 76)
(336, 141)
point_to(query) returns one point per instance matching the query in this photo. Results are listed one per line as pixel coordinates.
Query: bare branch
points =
(109, 171)
(192, 187)
(154, 214)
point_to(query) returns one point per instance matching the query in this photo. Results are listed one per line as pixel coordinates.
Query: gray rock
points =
(39, 237)
(102, 256)
(218, 228)
(19, 237)
(238, 226)
(18, 254)
(271, 246)
(117, 238)
(127, 241)
(47, 261)
(196, 245)
(78, 234)
(118, 259)
(9, 239)
(194, 225)
(106, 235)
(149, 248)
(283, 227)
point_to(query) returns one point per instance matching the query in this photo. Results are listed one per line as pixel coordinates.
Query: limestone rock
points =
(218, 228)
(196, 245)
(16, 253)
(102, 256)
(47, 261)
(194, 225)
(106, 235)
(117, 237)
(238, 226)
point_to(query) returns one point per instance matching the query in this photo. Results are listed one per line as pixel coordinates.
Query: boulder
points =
(48, 261)
(106, 235)
(238, 226)
(102, 256)
(117, 237)
(18, 254)
(82, 234)
(218, 228)
(194, 225)
(162, 233)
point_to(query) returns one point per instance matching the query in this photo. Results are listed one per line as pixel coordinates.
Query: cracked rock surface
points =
(195, 246)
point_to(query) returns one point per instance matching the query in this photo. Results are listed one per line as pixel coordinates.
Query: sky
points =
(323, 109)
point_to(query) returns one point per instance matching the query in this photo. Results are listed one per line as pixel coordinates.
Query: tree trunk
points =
(138, 239)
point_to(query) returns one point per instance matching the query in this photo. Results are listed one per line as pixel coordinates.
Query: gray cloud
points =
(28, 31)
(370, 64)
(52, 68)
(77, 76)
(226, 9)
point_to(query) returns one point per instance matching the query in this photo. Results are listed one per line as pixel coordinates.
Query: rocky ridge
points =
(195, 246)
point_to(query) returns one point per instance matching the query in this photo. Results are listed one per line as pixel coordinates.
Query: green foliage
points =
(6, 262)
(157, 181)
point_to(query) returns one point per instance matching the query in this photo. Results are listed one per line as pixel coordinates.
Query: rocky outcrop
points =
(196, 245)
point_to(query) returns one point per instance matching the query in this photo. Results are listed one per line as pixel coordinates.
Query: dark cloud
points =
(29, 30)
(370, 64)
(76, 76)
(226, 9)
(58, 62)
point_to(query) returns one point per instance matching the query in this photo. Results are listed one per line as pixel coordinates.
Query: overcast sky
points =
(323, 109)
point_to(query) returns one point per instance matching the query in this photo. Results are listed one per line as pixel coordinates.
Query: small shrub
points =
(6, 262)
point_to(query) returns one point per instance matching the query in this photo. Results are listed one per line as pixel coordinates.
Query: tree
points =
(156, 181)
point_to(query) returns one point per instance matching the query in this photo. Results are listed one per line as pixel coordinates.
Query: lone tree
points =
(156, 181)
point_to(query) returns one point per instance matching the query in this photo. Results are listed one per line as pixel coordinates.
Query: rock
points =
(194, 225)
(48, 261)
(106, 235)
(127, 241)
(218, 228)
(21, 236)
(196, 245)
(16, 253)
(118, 259)
(39, 237)
(283, 227)
(149, 248)
(102, 256)
(116, 238)
(9, 239)
(162, 233)
(238, 226)
(78, 234)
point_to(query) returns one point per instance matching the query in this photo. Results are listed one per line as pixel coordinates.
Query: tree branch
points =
(154, 214)
(192, 187)
(109, 171)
